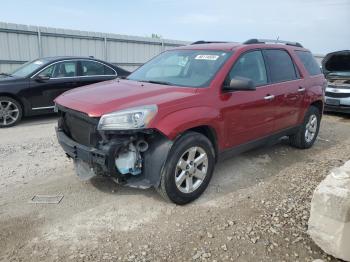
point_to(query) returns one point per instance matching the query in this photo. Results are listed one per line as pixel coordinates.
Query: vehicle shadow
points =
(38, 120)
(108, 186)
(250, 168)
(344, 116)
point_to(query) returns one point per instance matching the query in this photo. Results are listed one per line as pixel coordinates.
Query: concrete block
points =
(329, 223)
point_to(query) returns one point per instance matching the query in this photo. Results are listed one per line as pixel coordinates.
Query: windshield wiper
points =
(156, 82)
(5, 74)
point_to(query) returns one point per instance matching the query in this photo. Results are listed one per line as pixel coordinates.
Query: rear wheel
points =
(188, 169)
(10, 111)
(307, 133)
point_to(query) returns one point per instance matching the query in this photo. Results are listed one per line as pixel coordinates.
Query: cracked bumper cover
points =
(103, 158)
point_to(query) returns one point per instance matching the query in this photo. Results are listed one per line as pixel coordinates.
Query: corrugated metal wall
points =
(21, 43)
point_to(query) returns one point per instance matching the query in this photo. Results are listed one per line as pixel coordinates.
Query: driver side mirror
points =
(42, 78)
(240, 84)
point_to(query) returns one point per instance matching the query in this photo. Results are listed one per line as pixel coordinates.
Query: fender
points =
(26, 106)
(315, 93)
(23, 101)
(175, 123)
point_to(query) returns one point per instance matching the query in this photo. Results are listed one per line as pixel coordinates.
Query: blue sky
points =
(320, 25)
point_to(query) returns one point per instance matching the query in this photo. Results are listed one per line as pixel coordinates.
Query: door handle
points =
(301, 89)
(269, 97)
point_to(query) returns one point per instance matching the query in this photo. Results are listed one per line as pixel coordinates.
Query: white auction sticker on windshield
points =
(207, 57)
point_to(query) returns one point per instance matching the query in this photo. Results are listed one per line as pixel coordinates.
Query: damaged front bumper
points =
(97, 159)
(101, 159)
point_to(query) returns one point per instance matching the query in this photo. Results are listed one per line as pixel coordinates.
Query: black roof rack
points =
(206, 42)
(274, 41)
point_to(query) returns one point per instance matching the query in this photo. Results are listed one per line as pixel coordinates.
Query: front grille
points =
(79, 127)
(337, 95)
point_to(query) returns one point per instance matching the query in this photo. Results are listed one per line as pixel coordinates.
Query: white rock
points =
(197, 255)
(329, 223)
(210, 235)
(224, 247)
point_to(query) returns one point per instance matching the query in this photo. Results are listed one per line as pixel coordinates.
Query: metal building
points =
(22, 43)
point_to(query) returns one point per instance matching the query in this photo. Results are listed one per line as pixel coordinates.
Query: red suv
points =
(168, 123)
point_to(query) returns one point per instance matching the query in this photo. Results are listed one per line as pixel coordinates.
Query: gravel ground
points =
(255, 209)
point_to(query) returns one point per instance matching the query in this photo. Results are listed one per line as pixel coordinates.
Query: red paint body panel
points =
(237, 117)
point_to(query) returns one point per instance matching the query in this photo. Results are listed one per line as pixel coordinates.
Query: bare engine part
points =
(142, 145)
(129, 160)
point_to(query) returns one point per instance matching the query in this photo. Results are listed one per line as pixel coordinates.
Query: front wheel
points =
(10, 111)
(188, 169)
(307, 133)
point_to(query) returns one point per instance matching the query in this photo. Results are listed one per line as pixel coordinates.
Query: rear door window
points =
(92, 68)
(250, 65)
(309, 62)
(280, 65)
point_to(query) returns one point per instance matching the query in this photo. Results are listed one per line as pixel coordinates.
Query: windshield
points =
(28, 68)
(192, 68)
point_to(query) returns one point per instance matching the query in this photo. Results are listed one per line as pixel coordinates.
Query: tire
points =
(11, 112)
(303, 139)
(180, 161)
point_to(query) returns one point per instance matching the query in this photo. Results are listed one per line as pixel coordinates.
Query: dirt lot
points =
(255, 209)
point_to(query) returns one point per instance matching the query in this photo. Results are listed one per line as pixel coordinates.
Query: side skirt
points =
(268, 140)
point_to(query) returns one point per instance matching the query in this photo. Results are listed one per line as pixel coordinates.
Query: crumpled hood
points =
(337, 63)
(106, 97)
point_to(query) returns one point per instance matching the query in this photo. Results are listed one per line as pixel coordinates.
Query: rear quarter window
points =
(280, 65)
(309, 62)
(92, 68)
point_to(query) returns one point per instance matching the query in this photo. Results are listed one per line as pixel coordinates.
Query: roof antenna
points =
(278, 38)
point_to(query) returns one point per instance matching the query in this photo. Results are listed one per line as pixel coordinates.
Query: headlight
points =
(132, 118)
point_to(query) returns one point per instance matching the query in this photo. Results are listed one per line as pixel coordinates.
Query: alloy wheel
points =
(191, 169)
(311, 128)
(9, 112)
